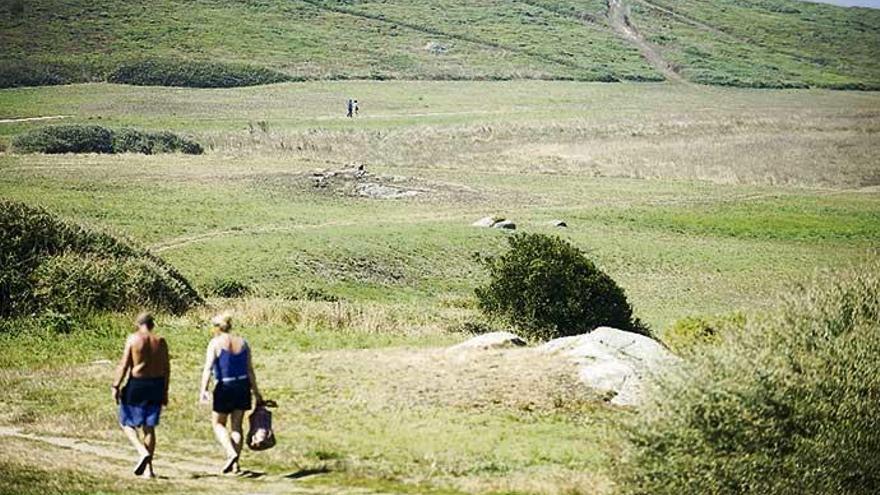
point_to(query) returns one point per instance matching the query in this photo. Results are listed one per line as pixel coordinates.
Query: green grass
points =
(772, 43)
(765, 43)
(696, 200)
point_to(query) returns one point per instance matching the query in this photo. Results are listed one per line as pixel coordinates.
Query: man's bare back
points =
(149, 355)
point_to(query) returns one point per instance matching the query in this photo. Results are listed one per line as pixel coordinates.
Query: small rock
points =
(504, 224)
(436, 48)
(493, 340)
(487, 222)
(560, 224)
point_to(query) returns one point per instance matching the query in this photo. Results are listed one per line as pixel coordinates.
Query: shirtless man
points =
(146, 364)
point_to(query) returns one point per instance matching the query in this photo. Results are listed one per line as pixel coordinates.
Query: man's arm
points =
(122, 369)
(166, 365)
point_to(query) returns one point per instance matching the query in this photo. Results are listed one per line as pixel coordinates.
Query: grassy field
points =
(696, 200)
(769, 43)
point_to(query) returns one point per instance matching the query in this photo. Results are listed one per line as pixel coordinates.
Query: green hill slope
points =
(738, 42)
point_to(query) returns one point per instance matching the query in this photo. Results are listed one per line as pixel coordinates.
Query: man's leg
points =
(150, 444)
(132, 435)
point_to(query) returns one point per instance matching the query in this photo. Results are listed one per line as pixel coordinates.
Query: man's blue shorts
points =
(140, 402)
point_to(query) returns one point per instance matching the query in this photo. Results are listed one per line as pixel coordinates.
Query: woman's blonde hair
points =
(223, 322)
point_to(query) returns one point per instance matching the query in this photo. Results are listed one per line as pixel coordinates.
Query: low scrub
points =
(17, 73)
(75, 138)
(194, 74)
(689, 334)
(547, 288)
(47, 264)
(227, 287)
(786, 405)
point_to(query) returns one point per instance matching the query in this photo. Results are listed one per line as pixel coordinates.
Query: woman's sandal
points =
(230, 464)
(142, 465)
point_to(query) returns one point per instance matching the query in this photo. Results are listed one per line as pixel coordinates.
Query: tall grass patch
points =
(786, 404)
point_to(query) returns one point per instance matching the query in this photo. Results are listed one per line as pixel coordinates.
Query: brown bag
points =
(260, 435)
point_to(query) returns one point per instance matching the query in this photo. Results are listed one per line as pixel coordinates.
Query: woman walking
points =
(229, 360)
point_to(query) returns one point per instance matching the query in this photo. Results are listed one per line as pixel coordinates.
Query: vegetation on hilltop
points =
(52, 265)
(767, 43)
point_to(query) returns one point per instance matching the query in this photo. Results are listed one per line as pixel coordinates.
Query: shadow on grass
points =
(305, 473)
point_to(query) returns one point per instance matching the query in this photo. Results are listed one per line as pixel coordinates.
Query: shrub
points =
(690, 333)
(547, 288)
(134, 141)
(65, 139)
(76, 138)
(195, 74)
(31, 73)
(787, 405)
(50, 264)
(227, 287)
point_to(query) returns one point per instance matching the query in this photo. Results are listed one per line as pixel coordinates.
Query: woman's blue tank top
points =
(231, 367)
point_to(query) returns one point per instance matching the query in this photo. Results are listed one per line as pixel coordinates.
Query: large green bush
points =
(33, 73)
(76, 138)
(50, 264)
(547, 288)
(787, 404)
(195, 74)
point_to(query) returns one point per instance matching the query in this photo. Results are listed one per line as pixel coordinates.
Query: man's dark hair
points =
(145, 319)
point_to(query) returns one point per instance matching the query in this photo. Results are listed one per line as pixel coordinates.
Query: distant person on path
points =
(229, 360)
(146, 365)
(350, 108)
(356, 108)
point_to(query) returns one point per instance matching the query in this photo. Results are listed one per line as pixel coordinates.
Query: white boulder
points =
(613, 362)
(487, 222)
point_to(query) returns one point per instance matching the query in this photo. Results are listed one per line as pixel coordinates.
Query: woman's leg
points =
(236, 435)
(218, 420)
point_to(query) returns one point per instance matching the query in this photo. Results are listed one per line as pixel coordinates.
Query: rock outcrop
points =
(613, 362)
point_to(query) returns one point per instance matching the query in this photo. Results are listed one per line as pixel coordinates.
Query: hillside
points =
(763, 43)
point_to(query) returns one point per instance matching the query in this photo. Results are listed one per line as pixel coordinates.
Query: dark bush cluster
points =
(548, 288)
(195, 74)
(788, 404)
(75, 138)
(47, 264)
(14, 74)
(227, 287)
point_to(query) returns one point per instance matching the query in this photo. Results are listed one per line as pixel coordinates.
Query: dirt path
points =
(618, 16)
(184, 469)
(32, 119)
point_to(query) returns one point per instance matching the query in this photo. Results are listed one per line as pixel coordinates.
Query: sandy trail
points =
(184, 469)
(619, 18)
(32, 119)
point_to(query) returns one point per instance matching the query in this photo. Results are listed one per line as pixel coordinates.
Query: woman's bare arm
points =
(210, 356)
(252, 377)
